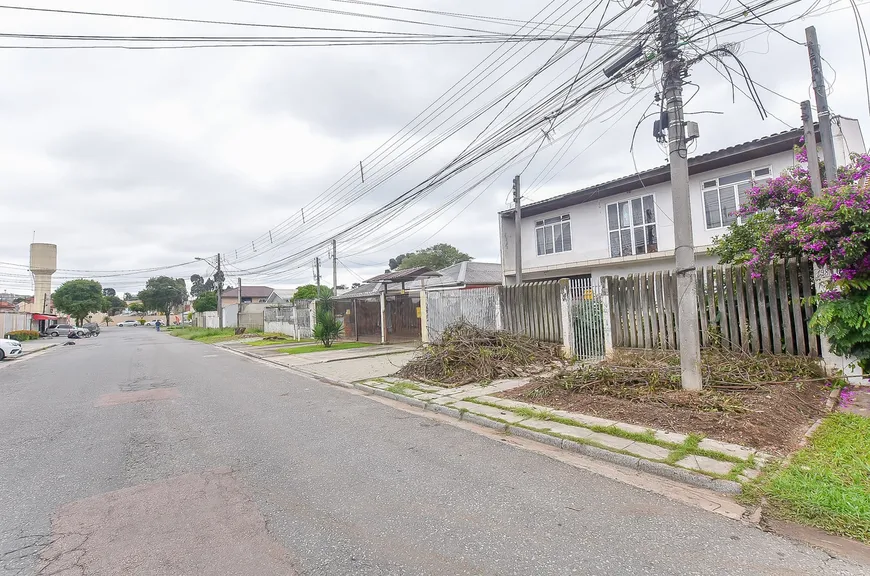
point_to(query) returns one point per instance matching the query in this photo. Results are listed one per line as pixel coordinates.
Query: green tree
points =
(112, 305)
(138, 309)
(434, 257)
(78, 298)
(162, 293)
(107, 319)
(206, 302)
(309, 292)
(327, 327)
(109, 292)
(128, 297)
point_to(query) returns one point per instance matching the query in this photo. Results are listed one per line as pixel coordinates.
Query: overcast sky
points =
(134, 159)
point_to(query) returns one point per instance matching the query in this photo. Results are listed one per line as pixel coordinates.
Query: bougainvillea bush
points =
(782, 219)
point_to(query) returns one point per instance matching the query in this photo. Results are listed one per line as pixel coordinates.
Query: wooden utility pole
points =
(317, 274)
(219, 276)
(820, 91)
(518, 230)
(334, 270)
(687, 297)
(812, 149)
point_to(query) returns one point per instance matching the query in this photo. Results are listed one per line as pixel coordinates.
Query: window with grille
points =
(631, 226)
(553, 235)
(723, 196)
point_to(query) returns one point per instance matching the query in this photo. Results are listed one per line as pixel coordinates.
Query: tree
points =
(434, 257)
(112, 305)
(107, 319)
(206, 302)
(327, 327)
(108, 292)
(138, 309)
(832, 230)
(309, 292)
(78, 298)
(162, 293)
(128, 297)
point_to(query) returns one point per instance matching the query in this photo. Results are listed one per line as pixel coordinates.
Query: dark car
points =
(93, 327)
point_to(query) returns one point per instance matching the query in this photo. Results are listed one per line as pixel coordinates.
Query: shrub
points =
(23, 335)
(141, 321)
(327, 328)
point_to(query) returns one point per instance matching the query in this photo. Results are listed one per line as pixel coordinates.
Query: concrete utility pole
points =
(317, 274)
(812, 149)
(819, 90)
(687, 297)
(334, 270)
(220, 281)
(518, 233)
(239, 308)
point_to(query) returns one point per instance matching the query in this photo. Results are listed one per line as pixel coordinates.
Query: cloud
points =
(137, 159)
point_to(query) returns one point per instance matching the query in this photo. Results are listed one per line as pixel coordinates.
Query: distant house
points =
(457, 277)
(250, 295)
(281, 296)
(625, 226)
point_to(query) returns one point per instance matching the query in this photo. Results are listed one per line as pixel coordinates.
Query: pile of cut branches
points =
(467, 354)
(654, 377)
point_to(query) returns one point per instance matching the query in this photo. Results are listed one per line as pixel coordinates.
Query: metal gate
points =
(587, 319)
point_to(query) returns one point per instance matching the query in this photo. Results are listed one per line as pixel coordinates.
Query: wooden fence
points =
(768, 314)
(533, 309)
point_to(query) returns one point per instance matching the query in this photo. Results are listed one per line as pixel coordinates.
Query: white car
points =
(127, 323)
(9, 348)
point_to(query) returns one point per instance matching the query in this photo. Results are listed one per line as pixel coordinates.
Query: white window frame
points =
(715, 185)
(558, 247)
(632, 227)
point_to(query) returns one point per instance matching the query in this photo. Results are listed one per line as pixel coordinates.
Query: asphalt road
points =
(139, 453)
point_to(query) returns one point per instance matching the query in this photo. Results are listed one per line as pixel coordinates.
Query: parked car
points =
(127, 323)
(93, 327)
(65, 329)
(9, 348)
(151, 323)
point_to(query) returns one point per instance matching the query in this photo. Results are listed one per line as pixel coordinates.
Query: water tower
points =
(43, 263)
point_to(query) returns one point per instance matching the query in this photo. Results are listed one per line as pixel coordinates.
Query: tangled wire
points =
(467, 354)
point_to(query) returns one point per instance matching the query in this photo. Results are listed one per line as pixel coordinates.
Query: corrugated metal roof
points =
(407, 275)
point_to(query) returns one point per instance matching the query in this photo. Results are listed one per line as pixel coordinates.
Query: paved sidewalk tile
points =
(488, 411)
(557, 428)
(609, 441)
(648, 451)
(705, 464)
(729, 449)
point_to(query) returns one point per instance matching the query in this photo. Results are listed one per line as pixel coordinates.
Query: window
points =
(553, 235)
(631, 226)
(724, 195)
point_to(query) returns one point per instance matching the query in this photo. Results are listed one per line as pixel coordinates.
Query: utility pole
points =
(239, 308)
(812, 149)
(518, 230)
(219, 276)
(334, 270)
(687, 297)
(819, 90)
(317, 274)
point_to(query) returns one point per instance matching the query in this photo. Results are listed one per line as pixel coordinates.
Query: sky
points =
(138, 162)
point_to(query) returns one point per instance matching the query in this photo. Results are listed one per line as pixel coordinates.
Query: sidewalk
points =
(350, 365)
(31, 346)
(701, 462)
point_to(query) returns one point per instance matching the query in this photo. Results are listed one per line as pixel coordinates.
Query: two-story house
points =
(625, 226)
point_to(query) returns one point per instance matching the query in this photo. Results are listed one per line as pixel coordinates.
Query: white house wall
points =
(590, 251)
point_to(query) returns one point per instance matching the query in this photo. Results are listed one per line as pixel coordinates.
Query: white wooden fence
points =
(292, 319)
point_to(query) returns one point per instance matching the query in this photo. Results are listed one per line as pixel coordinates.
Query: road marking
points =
(210, 356)
(138, 396)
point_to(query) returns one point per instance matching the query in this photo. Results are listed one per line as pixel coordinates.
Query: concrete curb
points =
(26, 355)
(624, 460)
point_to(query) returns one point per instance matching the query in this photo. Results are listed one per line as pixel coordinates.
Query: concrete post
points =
(567, 320)
(384, 316)
(424, 318)
(312, 314)
(605, 313)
